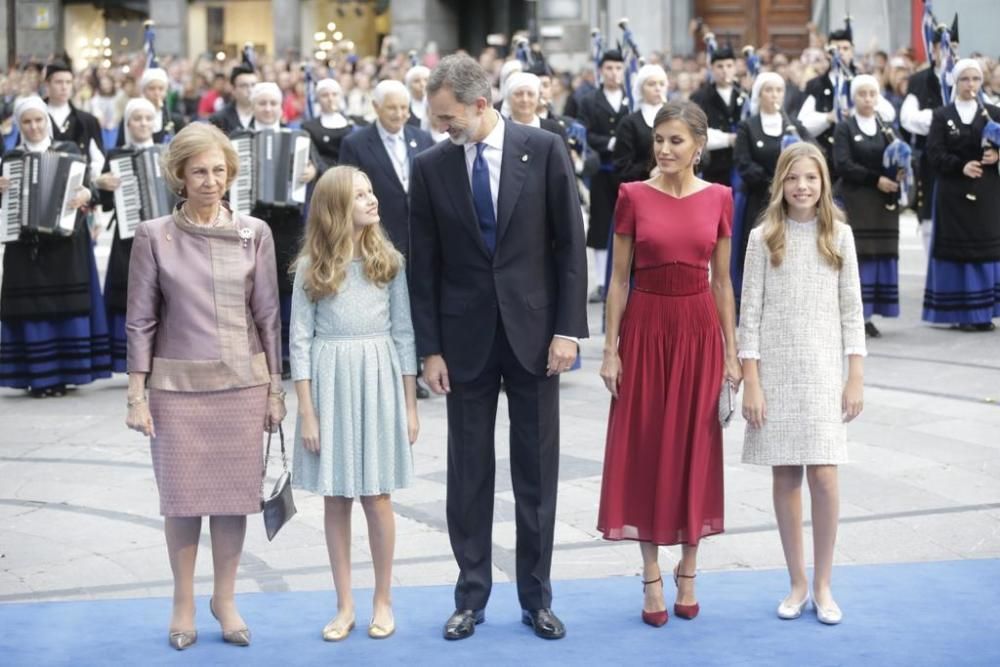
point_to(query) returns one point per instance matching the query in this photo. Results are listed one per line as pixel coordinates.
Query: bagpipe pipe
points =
(931, 28)
(752, 61)
(897, 163)
(633, 61)
(842, 76)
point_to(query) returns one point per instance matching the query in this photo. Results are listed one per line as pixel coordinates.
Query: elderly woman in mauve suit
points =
(204, 339)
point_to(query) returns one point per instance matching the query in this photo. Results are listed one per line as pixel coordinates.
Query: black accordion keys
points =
(271, 166)
(42, 185)
(143, 193)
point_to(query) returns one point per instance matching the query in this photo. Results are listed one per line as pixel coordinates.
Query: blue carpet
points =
(942, 613)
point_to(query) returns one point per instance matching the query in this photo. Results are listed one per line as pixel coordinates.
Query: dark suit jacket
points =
(364, 149)
(80, 127)
(723, 117)
(535, 283)
(227, 119)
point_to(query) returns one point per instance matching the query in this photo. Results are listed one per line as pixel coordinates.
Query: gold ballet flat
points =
(239, 637)
(376, 631)
(334, 633)
(182, 639)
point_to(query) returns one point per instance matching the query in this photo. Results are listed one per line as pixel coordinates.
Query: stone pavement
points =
(79, 515)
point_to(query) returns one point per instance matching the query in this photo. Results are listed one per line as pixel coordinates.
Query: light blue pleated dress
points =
(354, 346)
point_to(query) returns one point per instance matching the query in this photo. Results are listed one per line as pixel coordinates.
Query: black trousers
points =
(533, 403)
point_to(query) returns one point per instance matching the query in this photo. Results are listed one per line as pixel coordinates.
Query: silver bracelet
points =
(132, 402)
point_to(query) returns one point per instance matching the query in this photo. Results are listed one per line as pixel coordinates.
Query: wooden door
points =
(757, 22)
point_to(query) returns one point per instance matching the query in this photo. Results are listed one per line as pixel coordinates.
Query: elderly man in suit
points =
(384, 151)
(498, 246)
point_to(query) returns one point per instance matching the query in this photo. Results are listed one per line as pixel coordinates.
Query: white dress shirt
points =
(772, 124)
(395, 147)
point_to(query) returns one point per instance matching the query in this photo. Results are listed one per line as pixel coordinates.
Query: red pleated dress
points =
(663, 460)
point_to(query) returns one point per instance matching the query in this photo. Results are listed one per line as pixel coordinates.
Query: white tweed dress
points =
(354, 346)
(800, 320)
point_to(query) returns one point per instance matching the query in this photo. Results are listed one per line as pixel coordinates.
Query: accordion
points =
(42, 185)
(143, 193)
(271, 166)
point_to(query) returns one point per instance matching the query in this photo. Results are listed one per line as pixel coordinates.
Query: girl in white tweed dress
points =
(802, 314)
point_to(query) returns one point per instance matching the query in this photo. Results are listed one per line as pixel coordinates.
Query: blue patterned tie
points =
(483, 200)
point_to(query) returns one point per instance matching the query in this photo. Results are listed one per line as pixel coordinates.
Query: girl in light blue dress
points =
(354, 365)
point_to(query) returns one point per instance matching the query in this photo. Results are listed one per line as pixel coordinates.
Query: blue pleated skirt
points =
(880, 286)
(961, 292)
(35, 354)
(119, 343)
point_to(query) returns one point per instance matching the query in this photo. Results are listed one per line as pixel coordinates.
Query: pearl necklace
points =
(214, 223)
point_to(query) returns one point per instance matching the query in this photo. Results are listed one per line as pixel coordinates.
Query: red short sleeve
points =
(624, 213)
(726, 213)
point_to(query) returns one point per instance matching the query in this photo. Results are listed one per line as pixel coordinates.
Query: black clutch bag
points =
(279, 507)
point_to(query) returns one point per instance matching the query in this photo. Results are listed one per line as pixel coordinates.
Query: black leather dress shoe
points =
(463, 622)
(545, 623)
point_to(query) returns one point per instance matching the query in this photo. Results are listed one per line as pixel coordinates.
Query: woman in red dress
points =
(670, 343)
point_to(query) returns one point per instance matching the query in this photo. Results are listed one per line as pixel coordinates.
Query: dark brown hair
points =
(688, 113)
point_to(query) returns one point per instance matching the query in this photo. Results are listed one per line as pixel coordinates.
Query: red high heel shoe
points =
(655, 618)
(686, 611)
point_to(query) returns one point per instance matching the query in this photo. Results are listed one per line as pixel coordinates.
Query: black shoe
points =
(985, 326)
(463, 622)
(597, 296)
(871, 331)
(422, 391)
(545, 623)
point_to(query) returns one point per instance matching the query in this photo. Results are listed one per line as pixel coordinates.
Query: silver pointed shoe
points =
(788, 611)
(239, 637)
(183, 639)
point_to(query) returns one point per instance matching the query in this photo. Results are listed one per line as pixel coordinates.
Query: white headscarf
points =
(33, 103)
(759, 82)
(263, 88)
(153, 74)
(522, 80)
(135, 104)
(961, 66)
(506, 70)
(644, 73)
(862, 80)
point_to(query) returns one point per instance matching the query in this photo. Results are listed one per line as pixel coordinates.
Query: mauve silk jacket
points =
(203, 310)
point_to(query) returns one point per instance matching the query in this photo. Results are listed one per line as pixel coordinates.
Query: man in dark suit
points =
(238, 114)
(501, 296)
(385, 150)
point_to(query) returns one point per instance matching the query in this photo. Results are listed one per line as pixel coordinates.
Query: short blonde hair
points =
(195, 139)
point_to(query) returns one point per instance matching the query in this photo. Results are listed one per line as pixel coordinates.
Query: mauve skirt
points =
(208, 450)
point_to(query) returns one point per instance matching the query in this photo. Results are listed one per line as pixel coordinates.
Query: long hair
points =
(328, 248)
(827, 214)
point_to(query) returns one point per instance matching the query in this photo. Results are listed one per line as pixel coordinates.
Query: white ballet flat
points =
(788, 611)
(829, 615)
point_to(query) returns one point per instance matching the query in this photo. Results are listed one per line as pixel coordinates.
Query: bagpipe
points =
(632, 59)
(711, 46)
(897, 162)
(597, 49)
(991, 131)
(929, 28)
(789, 133)
(753, 69)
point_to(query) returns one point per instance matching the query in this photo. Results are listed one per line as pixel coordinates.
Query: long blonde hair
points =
(328, 247)
(827, 214)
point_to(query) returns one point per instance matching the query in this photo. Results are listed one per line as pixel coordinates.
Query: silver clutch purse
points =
(727, 399)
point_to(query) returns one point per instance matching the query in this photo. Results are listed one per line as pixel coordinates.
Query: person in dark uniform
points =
(69, 123)
(329, 128)
(138, 122)
(633, 154)
(818, 113)
(285, 221)
(722, 101)
(601, 112)
(53, 330)
(238, 114)
(153, 87)
(963, 275)
(759, 141)
(870, 200)
(923, 96)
